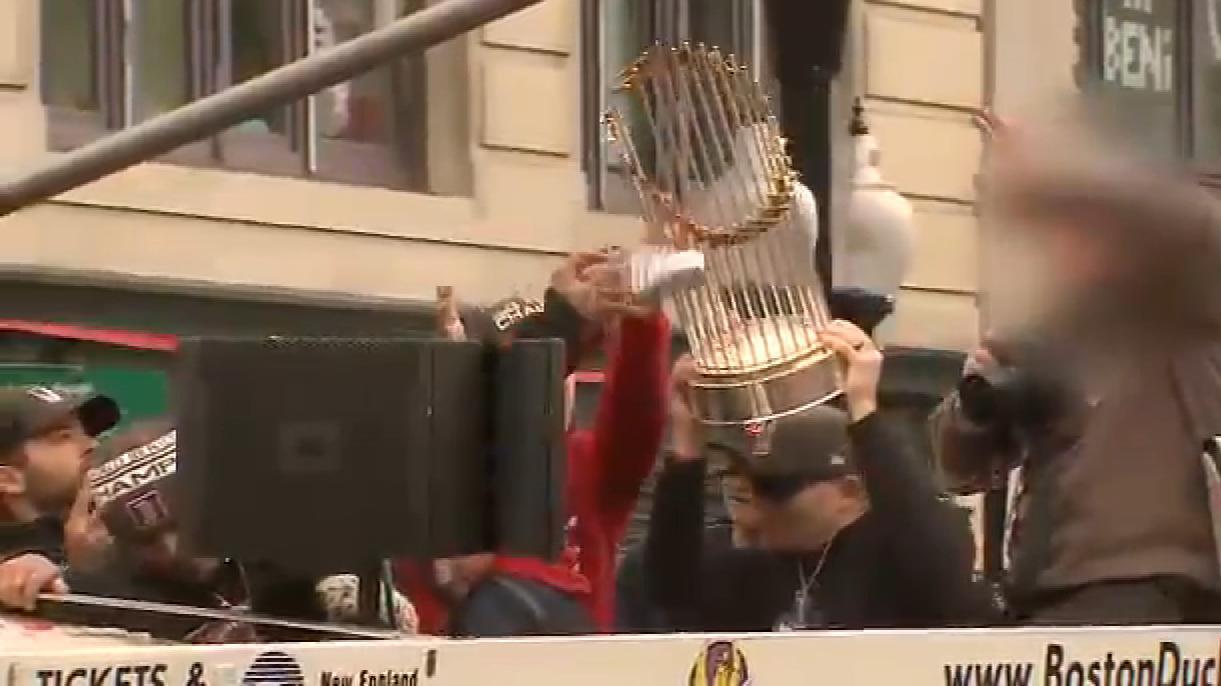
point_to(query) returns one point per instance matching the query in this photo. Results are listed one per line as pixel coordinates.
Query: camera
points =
(1025, 391)
(863, 308)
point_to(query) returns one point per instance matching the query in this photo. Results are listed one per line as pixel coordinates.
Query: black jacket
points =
(43, 536)
(636, 612)
(908, 562)
(274, 593)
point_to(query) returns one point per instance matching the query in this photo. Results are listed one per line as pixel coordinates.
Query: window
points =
(1155, 67)
(113, 63)
(1139, 86)
(1206, 84)
(614, 33)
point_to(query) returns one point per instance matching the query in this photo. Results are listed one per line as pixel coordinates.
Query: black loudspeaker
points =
(529, 469)
(324, 455)
(808, 35)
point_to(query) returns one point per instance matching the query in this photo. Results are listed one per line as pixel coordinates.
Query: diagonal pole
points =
(215, 113)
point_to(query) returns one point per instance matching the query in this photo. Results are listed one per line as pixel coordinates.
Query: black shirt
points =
(908, 562)
(43, 536)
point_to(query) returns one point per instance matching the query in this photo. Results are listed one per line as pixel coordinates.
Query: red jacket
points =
(606, 468)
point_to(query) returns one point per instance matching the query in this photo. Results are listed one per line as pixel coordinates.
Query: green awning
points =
(141, 393)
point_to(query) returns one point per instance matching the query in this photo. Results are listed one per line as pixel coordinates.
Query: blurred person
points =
(849, 528)
(1104, 394)
(607, 465)
(46, 441)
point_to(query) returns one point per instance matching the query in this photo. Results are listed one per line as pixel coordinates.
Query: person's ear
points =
(12, 481)
(853, 487)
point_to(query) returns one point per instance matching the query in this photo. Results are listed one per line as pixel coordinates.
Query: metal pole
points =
(215, 113)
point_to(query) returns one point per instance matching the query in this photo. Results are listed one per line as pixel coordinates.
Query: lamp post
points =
(879, 237)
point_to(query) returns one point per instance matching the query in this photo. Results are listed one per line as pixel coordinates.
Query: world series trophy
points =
(705, 155)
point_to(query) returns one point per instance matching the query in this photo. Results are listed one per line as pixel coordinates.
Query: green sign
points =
(141, 393)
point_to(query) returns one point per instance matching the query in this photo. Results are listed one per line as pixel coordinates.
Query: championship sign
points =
(130, 489)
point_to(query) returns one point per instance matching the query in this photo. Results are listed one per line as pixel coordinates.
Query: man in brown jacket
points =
(1112, 523)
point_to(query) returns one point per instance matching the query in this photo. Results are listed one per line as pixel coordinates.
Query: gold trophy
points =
(718, 191)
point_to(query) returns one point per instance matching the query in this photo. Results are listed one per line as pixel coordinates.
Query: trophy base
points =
(770, 394)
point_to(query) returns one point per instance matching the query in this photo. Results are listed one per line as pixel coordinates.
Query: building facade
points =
(476, 166)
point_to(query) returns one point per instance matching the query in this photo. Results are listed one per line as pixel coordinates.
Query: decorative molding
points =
(1087, 34)
(915, 55)
(544, 28)
(527, 105)
(16, 45)
(967, 9)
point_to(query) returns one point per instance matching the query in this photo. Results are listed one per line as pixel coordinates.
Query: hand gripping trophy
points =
(736, 265)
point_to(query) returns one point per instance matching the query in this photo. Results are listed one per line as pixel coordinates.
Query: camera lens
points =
(980, 395)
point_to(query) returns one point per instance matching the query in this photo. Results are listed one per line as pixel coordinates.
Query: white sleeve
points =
(805, 213)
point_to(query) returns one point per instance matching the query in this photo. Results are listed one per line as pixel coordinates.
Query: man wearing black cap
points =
(851, 531)
(46, 438)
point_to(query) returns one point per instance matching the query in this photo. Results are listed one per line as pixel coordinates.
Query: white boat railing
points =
(1144, 656)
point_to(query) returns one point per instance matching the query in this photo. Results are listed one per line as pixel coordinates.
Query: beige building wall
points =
(169, 223)
(1036, 55)
(920, 64)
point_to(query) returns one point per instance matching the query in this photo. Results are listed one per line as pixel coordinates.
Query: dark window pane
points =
(160, 62)
(257, 43)
(68, 48)
(725, 24)
(371, 130)
(1140, 86)
(254, 38)
(628, 28)
(1206, 88)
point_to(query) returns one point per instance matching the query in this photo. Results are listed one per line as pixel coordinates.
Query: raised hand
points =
(684, 425)
(862, 366)
(449, 322)
(597, 286)
(23, 577)
(87, 540)
(572, 280)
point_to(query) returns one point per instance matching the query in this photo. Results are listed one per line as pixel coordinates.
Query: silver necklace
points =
(801, 601)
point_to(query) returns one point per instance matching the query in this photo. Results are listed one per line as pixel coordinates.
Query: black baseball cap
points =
(506, 318)
(28, 411)
(783, 456)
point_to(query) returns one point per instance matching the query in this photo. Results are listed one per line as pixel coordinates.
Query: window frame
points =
(68, 127)
(667, 21)
(372, 164)
(399, 163)
(1188, 13)
(1207, 171)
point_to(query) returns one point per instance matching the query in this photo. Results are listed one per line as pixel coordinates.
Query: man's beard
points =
(51, 502)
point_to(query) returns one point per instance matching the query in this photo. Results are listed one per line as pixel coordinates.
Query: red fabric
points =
(129, 339)
(591, 376)
(606, 468)
(415, 581)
